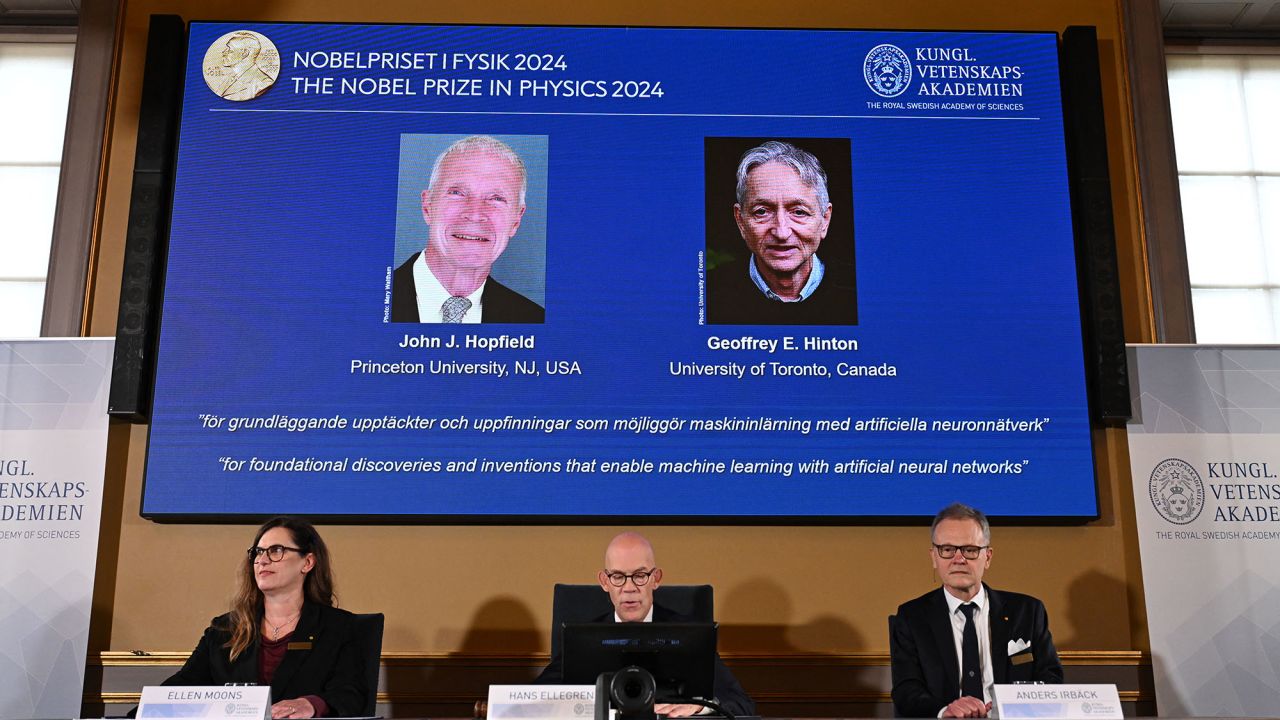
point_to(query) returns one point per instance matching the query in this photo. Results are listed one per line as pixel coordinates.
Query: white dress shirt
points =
(647, 618)
(981, 620)
(431, 295)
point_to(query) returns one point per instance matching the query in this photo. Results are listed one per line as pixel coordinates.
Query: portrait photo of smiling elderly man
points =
(474, 213)
(787, 256)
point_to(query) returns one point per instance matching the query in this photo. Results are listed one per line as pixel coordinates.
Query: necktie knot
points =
(454, 308)
(968, 609)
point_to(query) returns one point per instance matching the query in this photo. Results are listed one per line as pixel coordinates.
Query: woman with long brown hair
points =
(284, 630)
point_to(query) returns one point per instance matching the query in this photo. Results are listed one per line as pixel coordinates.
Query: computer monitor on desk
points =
(680, 656)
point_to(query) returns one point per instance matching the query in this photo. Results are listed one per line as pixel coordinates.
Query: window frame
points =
(39, 35)
(77, 221)
(1228, 48)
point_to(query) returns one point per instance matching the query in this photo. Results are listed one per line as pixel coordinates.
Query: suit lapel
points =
(945, 644)
(404, 292)
(307, 631)
(245, 667)
(998, 623)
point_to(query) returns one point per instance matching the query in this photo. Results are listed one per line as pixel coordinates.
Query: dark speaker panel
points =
(1108, 372)
(133, 369)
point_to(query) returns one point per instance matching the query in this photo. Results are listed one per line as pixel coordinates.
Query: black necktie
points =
(970, 664)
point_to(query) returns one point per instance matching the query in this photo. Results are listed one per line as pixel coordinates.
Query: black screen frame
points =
(1072, 151)
(670, 651)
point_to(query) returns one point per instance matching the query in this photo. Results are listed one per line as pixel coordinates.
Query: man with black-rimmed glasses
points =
(950, 645)
(630, 575)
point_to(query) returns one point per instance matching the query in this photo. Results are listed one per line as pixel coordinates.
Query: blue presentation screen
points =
(534, 274)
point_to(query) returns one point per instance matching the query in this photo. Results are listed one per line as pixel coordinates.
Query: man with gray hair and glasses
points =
(473, 205)
(783, 212)
(950, 645)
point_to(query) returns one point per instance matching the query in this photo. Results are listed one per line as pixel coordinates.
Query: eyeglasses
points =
(970, 552)
(639, 577)
(275, 553)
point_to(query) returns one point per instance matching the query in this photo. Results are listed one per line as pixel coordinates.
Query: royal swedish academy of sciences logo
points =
(887, 70)
(1177, 491)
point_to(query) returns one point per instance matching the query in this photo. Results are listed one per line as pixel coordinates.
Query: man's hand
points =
(300, 708)
(677, 711)
(966, 707)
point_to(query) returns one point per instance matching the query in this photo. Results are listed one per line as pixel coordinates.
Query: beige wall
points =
(488, 589)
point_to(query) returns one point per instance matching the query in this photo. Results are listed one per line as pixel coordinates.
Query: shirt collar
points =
(647, 618)
(432, 294)
(954, 603)
(815, 277)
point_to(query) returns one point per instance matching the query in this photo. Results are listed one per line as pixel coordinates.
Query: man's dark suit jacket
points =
(922, 649)
(729, 693)
(501, 303)
(333, 668)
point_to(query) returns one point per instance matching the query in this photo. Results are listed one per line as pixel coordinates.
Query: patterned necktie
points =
(454, 308)
(970, 664)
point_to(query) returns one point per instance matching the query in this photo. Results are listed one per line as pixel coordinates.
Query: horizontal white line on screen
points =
(617, 114)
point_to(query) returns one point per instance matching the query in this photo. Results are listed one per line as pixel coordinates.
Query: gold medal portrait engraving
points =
(241, 65)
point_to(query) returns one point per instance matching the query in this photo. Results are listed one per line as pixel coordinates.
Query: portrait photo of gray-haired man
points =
(780, 250)
(472, 210)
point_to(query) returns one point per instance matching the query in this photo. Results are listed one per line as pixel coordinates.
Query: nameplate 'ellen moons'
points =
(238, 702)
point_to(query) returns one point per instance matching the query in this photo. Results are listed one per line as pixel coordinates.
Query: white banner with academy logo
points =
(1204, 448)
(53, 444)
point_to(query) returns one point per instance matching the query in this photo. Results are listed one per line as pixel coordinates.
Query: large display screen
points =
(539, 274)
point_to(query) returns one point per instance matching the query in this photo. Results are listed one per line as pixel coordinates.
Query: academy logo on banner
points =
(1239, 492)
(53, 439)
(1205, 457)
(1176, 491)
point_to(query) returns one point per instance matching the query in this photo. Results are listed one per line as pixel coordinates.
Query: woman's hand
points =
(300, 708)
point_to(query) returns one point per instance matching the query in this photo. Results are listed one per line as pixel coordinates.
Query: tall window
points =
(1226, 130)
(1226, 125)
(35, 84)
